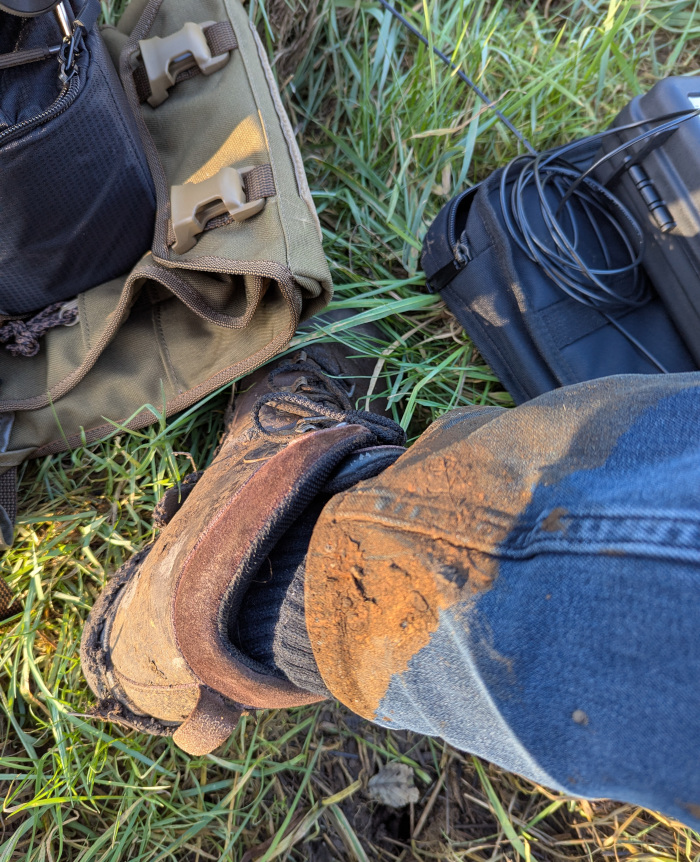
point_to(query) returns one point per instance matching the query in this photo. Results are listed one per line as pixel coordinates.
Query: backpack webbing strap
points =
(8, 511)
(220, 38)
(259, 183)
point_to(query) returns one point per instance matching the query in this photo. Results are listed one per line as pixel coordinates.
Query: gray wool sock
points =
(291, 646)
(271, 623)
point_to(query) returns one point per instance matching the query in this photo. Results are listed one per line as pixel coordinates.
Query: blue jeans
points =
(525, 584)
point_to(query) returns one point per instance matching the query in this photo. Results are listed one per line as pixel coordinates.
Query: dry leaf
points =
(393, 785)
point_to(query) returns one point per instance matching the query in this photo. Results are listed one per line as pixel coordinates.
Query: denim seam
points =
(659, 535)
(662, 535)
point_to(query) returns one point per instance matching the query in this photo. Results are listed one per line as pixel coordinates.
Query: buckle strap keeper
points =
(193, 50)
(235, 194)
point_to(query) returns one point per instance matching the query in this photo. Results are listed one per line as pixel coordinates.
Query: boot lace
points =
(318, 401)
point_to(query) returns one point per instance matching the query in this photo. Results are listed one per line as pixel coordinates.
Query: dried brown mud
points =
(389, 555)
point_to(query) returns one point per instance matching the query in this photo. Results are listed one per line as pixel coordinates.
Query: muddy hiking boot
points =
(208, 621)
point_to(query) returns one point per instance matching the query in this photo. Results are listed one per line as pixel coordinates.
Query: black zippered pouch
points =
(77, 204)
(534, 337)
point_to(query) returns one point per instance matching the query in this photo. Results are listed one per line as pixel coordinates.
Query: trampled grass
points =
(388, 134)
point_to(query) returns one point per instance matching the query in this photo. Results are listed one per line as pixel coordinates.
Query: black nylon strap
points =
(31, 55)
(8, 511)
(440, 279)
(89, 13)
(8, 493)
(9, 606)
(220, 38)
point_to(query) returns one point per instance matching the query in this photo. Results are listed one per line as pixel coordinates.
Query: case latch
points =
(192, 205)
(164, 58)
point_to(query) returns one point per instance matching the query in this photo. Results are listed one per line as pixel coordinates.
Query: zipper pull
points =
(461, 257)
(72, 43)
(462, 252)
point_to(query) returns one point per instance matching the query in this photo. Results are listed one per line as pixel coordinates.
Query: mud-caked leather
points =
(156, 649)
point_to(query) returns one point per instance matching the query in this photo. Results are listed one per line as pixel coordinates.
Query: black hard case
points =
(672, 260)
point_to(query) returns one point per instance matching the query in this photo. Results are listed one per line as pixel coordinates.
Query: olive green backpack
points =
(236, 260)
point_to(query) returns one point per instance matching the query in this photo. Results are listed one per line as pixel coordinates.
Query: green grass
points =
(388, 135)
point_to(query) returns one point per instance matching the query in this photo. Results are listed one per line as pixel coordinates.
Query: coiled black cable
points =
(576, 230)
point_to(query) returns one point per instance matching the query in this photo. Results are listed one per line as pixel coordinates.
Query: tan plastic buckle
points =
(192, 205)
(164, 58)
